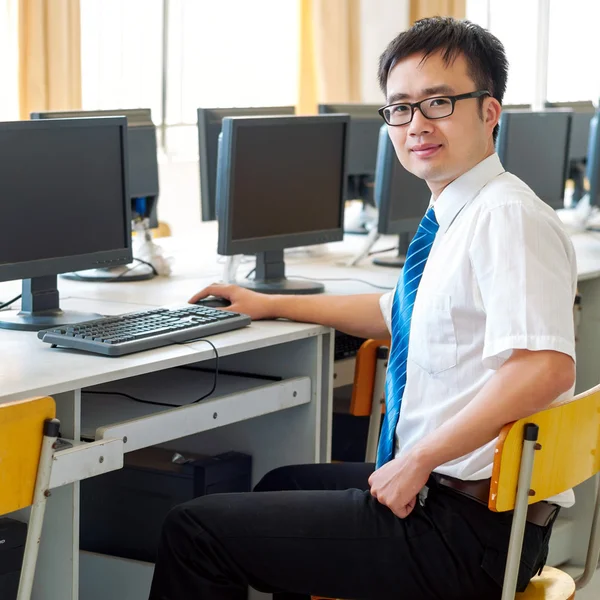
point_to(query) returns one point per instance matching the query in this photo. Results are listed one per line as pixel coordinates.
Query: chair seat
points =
(552, 584)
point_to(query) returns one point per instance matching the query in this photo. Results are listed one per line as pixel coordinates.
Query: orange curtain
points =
(419, 9)
(49, 56)
(329, 54)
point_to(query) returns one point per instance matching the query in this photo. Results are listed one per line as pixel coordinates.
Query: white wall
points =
(179, 203)
(381, 21)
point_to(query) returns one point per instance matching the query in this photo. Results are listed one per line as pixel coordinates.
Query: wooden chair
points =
(539, 457)
(368, 389)
(163, 230)
(28, 433)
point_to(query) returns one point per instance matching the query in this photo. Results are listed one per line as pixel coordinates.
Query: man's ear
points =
(492, 111)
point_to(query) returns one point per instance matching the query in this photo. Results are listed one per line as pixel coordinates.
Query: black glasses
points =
(437, 107)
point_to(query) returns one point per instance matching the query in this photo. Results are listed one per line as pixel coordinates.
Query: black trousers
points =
(324, 534)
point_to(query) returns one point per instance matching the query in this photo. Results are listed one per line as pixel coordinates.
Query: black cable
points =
(120, 275)
(232, 373)
(154, 403)
(145, 262)
(250, 273)
(7, 304)
(382, 251)
(379, 287)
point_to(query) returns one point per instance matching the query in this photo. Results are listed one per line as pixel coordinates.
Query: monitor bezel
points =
(65, 264)
(226, 162)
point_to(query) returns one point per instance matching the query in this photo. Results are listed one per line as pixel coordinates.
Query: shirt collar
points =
(455, 195)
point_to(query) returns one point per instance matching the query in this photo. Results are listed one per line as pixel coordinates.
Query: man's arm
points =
(525, 384)
(358, 315)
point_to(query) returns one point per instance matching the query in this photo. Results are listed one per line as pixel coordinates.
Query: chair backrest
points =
(21, 433)
(364, 377)
(569, 436)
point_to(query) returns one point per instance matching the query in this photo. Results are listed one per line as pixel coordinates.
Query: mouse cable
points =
(154, 403)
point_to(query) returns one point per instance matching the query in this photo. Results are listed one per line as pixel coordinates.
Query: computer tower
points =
(12, 546)
(122, 512)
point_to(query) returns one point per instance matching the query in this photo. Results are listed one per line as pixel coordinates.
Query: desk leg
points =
(57, 573)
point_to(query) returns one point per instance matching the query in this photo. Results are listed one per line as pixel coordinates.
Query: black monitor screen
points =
(62, 192)
(210, 121)
(402, 198)
(287, 180)
(534, 146)
(580, 133)
(362, 139)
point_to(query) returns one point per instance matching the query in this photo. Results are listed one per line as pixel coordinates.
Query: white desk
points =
(281, 423)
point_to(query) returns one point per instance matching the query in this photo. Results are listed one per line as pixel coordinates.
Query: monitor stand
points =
(40, 309)
(143, 247)
(395, 261)
(270, 277)
(132, 272)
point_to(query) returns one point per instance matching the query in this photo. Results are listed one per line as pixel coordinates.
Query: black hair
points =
(484, 53)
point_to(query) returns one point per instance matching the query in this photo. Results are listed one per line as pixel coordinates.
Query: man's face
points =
(440, 150)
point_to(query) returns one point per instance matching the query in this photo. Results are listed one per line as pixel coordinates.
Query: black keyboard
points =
(346, 346)
(134, 332)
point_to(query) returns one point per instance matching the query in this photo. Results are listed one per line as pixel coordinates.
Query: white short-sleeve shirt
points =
(501, 276)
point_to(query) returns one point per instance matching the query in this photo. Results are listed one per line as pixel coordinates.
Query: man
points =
(487, 340)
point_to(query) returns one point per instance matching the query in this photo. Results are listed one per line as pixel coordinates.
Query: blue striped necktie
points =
(402, 308)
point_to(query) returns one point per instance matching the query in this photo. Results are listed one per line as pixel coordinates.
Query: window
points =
(234, 53)
(514, 23)
(9, 51)
(572, 71)
(121, 54)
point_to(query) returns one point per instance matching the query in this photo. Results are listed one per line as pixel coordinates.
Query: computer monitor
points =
(362, 154)
(578, 144)
(402, 199)
(593, 160)
(143, 181)
(65, 207)
(280, 184)
(143, 162)
(534, 146)
(209, 128)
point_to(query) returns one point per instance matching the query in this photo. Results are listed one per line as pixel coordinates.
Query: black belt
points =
(540, 513)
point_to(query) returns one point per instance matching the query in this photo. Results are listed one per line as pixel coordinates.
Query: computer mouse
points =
(214, 302)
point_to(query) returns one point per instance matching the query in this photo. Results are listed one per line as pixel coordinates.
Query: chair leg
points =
(38, 508)
(517, 532)
(378, 390)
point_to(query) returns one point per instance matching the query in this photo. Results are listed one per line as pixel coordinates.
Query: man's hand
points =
(256, 306)
(398, 482)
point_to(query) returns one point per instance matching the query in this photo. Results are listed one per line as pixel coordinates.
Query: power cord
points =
(149, 264)
(379, 287)
(123, 274)
(154, 403)
(10, 302)
(372, 253)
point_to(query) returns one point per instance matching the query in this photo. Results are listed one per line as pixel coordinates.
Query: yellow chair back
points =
(21, 433)
(569, 436)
